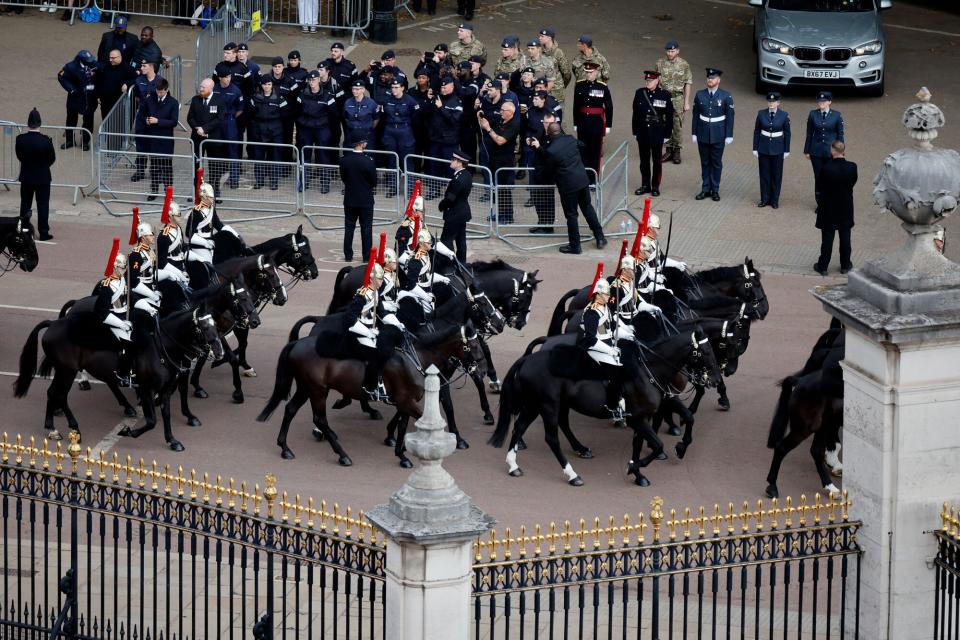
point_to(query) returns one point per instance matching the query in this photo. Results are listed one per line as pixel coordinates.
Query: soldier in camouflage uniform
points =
(542, 65)
(676, 78)
(466, 45)
(509, 61)
(586, 52)
(549, 49)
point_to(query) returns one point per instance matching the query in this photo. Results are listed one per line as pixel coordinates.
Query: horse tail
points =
(781, 418)
(295, 331)
(336, 302)
(556, 320)
(46, 367)
(533, 345)
(66, 307)
(509, 404)
(281, 388)
(28, 361)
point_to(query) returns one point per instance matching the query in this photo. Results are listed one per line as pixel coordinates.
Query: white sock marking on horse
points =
(569, 472)
(832, 489)
(832, 458)
(512, 460)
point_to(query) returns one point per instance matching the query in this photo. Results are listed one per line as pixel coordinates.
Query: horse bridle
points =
(265, 291)
(241, 317)
(297, 267)
(723, 346)
(466, 369)
(515, 304)
(191, 350)
(488, 329)
(695, 354)
(15, 250)
(759, 296)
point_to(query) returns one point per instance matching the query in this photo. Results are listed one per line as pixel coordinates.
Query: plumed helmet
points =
(648, 247)
(120, 261)
(206, 191)
(654, 222)
(174, 209)
(144, 229)
(628, 263)
(601, 288)
(377, 272)
(418, 203)
(424, 236)
(389, 256)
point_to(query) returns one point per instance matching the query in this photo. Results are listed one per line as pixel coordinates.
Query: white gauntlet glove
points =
(444, 251)
(112, 320)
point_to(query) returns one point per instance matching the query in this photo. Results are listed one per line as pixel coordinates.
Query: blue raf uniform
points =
(398, 115)
(233, 102)
(360, 117)
(316, 117)
(712, 123)
(824, 125)
(771, 144)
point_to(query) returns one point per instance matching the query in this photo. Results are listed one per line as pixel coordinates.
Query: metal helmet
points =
(206, 191)
(628, 263)
(601, 288)
(144, 229)
(424, 236)
(120, 262)
(376, 272)
(648, 247)
(389, 257)
(418, 203)
(174, 209)
(653, 222)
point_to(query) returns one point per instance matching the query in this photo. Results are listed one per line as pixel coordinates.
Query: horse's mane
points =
(718, 274)
(492, 265)
(273, 244)
(437, 337)
(456, 302)
(710, 302)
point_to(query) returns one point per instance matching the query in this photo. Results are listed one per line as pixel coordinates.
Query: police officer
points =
(652, 121)
(399, 111)
(267, 112)
(824, 125)
(316, 115)
(295, 80)
(676, 78)
(343, 71)
(771, 144)
(592, 117)
(340, 92)
(36, 154)
(360, 114)
(233, 109)
(160, 111)
(232, 66)
(423, 93)
(78, 78)
(712, 131)
(445, 113)
(248, 87)
(358, 171)
(456, 206)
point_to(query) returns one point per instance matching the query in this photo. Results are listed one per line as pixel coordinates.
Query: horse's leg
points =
(128, 409)
(491, 370)
(832, 458)
(60, 387)
(55, 400)
(527, 415)
(403, 421)
(551, 435)
(235, 368)
(198, 391)
(183, 384)
(289, 411)
(484, 404)
(818, 450)
(446, 401)
(318, 399)
(798, 433)
(633, 467)
(243, 339)
(641, 425)
(173, 443)
(686, 417)
(723, 401)
(370, 411)
(563, 419)
(149, 415)
(391, 439)
(84, 382)
(700, 391)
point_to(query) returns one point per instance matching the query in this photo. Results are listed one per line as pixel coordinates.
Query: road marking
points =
(44, 242)
(22, 308)
(14, 374)
(112, 438)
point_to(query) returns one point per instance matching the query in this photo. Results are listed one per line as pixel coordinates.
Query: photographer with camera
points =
(652, 124)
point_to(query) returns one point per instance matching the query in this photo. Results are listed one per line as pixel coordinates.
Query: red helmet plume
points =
(383, 246)
(642, 230)
(134, 223)
(596, 278)
(623, 252)
(416, 232)
(113, 256)
(372, 261)
(196, 187)
(413, 197)
(167, 199)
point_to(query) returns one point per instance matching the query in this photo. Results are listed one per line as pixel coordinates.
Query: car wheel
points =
(759, 85)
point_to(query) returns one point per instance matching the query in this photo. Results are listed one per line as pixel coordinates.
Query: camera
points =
(428, 55)
(481, 115)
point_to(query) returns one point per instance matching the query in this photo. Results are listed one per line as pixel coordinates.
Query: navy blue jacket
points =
(771, 136)
(267, 113)
(822, 131)
(712, 117)
(360, 116)
(400, 112)
(316, 110)
(444, 122)
(80, 84)
(166, 113)
(232, 97)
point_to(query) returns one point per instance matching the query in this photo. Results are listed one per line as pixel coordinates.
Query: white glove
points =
(574, 127)
(363, 330)
(786, 155)
(392, 320)
(756, 155)
(603, 347)
(439, 277)
(162, 275)
(444, 251)
(727, 140)
(643, 305)
(172, 273)
(607, 131)
(113, 320)
(676, 264)
(143, 290)
(694, 139)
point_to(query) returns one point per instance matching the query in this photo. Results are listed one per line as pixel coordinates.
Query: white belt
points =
(772, 134)
(717, 119)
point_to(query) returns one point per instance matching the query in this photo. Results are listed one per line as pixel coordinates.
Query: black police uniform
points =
(652, 124)
(358, 172)
(444, 131)
(267, 115)
(296, 82)
(316, 117)
(78, 78)
(36, 155)
(456, 213)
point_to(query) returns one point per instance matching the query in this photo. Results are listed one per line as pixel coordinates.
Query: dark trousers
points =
(570, 200)
(817, 163)
(211, 150)
(711, 165)
(544, 198)
(161, 172)
(468, 141)
(399, 140)
(444, 151)
(651, 164)
(267, 157)
(771, 176)
(466, 7)
(42, 194)
(826, 248)
(351, 215)
(455, 234)
(73, 117)
(507, 179)
(315, 137)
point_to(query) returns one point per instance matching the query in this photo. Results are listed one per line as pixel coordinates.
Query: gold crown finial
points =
(74, 450)
(656, 516)
(270, 492)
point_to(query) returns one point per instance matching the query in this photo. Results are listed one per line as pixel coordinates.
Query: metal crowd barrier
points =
(226, 26)
(279, 180)
(58, 5)
(74, 168)
(118, 165)
(533, 206)
(404, 5)
(334, 15)
(614, 183)
(322, 194)
(482, 196)
(118, 124)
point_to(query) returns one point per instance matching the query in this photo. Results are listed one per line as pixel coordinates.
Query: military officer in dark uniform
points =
(712, 131)
(295, 76)
(592, 117)
(160, 111)
(824, 125)
(456, 206)
(229, 91)
(652, 122)
(316, 116)
(358, 171)
(468, 91)
(343, 71)
(771, 144)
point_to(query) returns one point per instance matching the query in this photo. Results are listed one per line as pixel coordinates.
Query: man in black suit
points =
(160, 111)
(835, 214)
(456, 206)
(358, 171)
(203, 117)
(36, 155)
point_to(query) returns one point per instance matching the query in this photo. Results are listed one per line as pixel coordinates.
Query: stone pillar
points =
(430, 526)
(901, 433)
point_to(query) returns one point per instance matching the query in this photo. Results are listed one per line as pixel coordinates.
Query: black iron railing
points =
(946, 619)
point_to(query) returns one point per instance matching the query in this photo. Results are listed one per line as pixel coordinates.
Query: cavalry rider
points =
(412, 221)
(172, 278)
(653, 232)
(626, 301)
(647, 273)
(111, 307)
(142, 263)
(419, 274)
(596, 337)
(202, 224)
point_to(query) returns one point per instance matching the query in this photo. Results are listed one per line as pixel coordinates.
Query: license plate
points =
(821, 73)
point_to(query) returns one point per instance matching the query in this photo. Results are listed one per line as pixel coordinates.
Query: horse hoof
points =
(516, 473)
(661, 456)
(200, 392)
(619, 424)
(488, 419)
(317, 434)
(286, 454)
(494, 386)
(84, 385)
(772, 491)
(193, 421)
(576, 482)
(836, 472)
(390, 441)
(129, 412)
(462, 444)
(238, 397)
(345, 461)
(521, 445)
(341, 403)
(249, 373)
(54, 435)
(723, 404)
(675, 431)
(406, 464)
(681, 450)
(586, 454)
(375, 415)
(641, 481)
(126, 433)
(176, 445)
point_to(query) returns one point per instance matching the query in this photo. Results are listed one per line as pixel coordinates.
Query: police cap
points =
(396, 81)
(293, 55)
(313, 74)
(276, 60)
(389, 54)
(549, 32)
(323, 64)
(265, 78)
(713, 73)
(462, 156)
(527, 70)
(422, 70)
(773, 96)
(357, 83)
(540, 94)
(337, 45)
(222, 70)
(358, 137)
(824, 96)
(446, 80)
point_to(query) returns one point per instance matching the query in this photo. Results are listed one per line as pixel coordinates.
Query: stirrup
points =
(618, 412)
(378, 394)
(127, 381)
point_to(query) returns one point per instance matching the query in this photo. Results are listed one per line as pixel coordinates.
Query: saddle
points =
(573, 363)
(85, 328)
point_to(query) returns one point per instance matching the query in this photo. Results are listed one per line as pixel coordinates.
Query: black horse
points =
(180, 337)
(533, 388)
(17, 245)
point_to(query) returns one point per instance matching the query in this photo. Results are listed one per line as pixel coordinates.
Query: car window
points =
(821, 5)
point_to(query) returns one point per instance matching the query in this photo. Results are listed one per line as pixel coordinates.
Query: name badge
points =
(213, 108)
(90, 87)
(660, 103)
